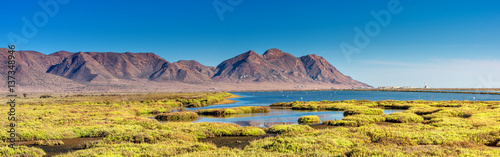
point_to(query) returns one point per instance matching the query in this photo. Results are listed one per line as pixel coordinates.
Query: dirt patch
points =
(68, 146)
(234, 141)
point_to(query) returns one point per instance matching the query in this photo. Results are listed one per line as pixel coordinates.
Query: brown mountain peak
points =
(250, 53)
(312, 56)
(61, 53)
(273, 53)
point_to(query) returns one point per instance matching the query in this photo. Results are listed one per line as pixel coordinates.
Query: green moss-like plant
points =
(309, 120)
(404, 118)
(252, 131)
(281, 129)
(341, 123)
(365, 111)
(177, 116)
(235, 110)
(21, 151)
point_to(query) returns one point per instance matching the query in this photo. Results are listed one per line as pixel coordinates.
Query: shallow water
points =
(280, 116)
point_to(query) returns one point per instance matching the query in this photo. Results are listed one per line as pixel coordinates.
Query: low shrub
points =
(327, 142)
(167, 148)
(356, 120)
(283, 104)
(424, 110)
(252, 131)
(450, 113)
(341, 123)
(21, 151)
(309, 120)
(235, 110)
(404, 118)
(330, 106)
(177, 116)
(365, 111)
(281, 129)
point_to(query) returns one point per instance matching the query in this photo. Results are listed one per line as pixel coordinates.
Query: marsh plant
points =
(426, 128)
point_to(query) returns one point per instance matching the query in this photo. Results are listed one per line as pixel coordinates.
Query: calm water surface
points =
(279, 116)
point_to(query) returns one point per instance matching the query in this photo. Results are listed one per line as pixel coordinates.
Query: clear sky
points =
(443, 43)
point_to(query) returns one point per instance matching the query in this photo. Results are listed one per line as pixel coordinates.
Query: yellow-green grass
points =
(365, 111)
(394, 140)
(356, 120)
(177, 116)
(21, 151)
(294, 129)
(309, 120)
(404, 118)
(387, 104)
(450, 128)
(234, 110)
(166, 148)
(70, 119)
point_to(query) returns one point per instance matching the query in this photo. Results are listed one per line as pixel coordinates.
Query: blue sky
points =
(443, 43)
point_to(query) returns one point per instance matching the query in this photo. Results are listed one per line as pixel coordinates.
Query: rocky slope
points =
(75, 71)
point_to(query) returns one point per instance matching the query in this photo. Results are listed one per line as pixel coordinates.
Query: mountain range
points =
(64, 71)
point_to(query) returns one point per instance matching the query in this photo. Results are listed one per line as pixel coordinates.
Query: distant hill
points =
(95, 71)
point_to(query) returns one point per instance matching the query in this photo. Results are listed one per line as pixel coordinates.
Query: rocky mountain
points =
(276, 65)
(78, 70)
(184, 71)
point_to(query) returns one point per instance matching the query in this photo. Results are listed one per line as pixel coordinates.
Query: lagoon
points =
(288, 116)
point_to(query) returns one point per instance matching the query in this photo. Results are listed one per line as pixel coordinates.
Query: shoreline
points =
(227, 101)
(431, 90)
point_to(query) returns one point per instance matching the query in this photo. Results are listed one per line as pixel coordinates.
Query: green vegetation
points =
(356, 120)
(326, 105)
(365, 111)
(309, 120)
(426, 128)
(205, 100)
(21, 151)
(235, 110)
(177, 116)
(167, 148)
(404, 118)
(117, 121)
(295, 129)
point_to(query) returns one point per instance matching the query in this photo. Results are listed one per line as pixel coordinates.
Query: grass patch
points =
(21, 151)
(309, 120)
(365, 111)
(450, 128)
(252, 131)
(168, 148)
(177, 116)
(404, 118)
(235, 110)
(281, 129)
(356, 120)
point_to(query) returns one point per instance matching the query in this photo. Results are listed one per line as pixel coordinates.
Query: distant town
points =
(402, 87)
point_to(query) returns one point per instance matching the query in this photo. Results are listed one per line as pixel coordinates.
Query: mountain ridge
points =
(36, 70)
